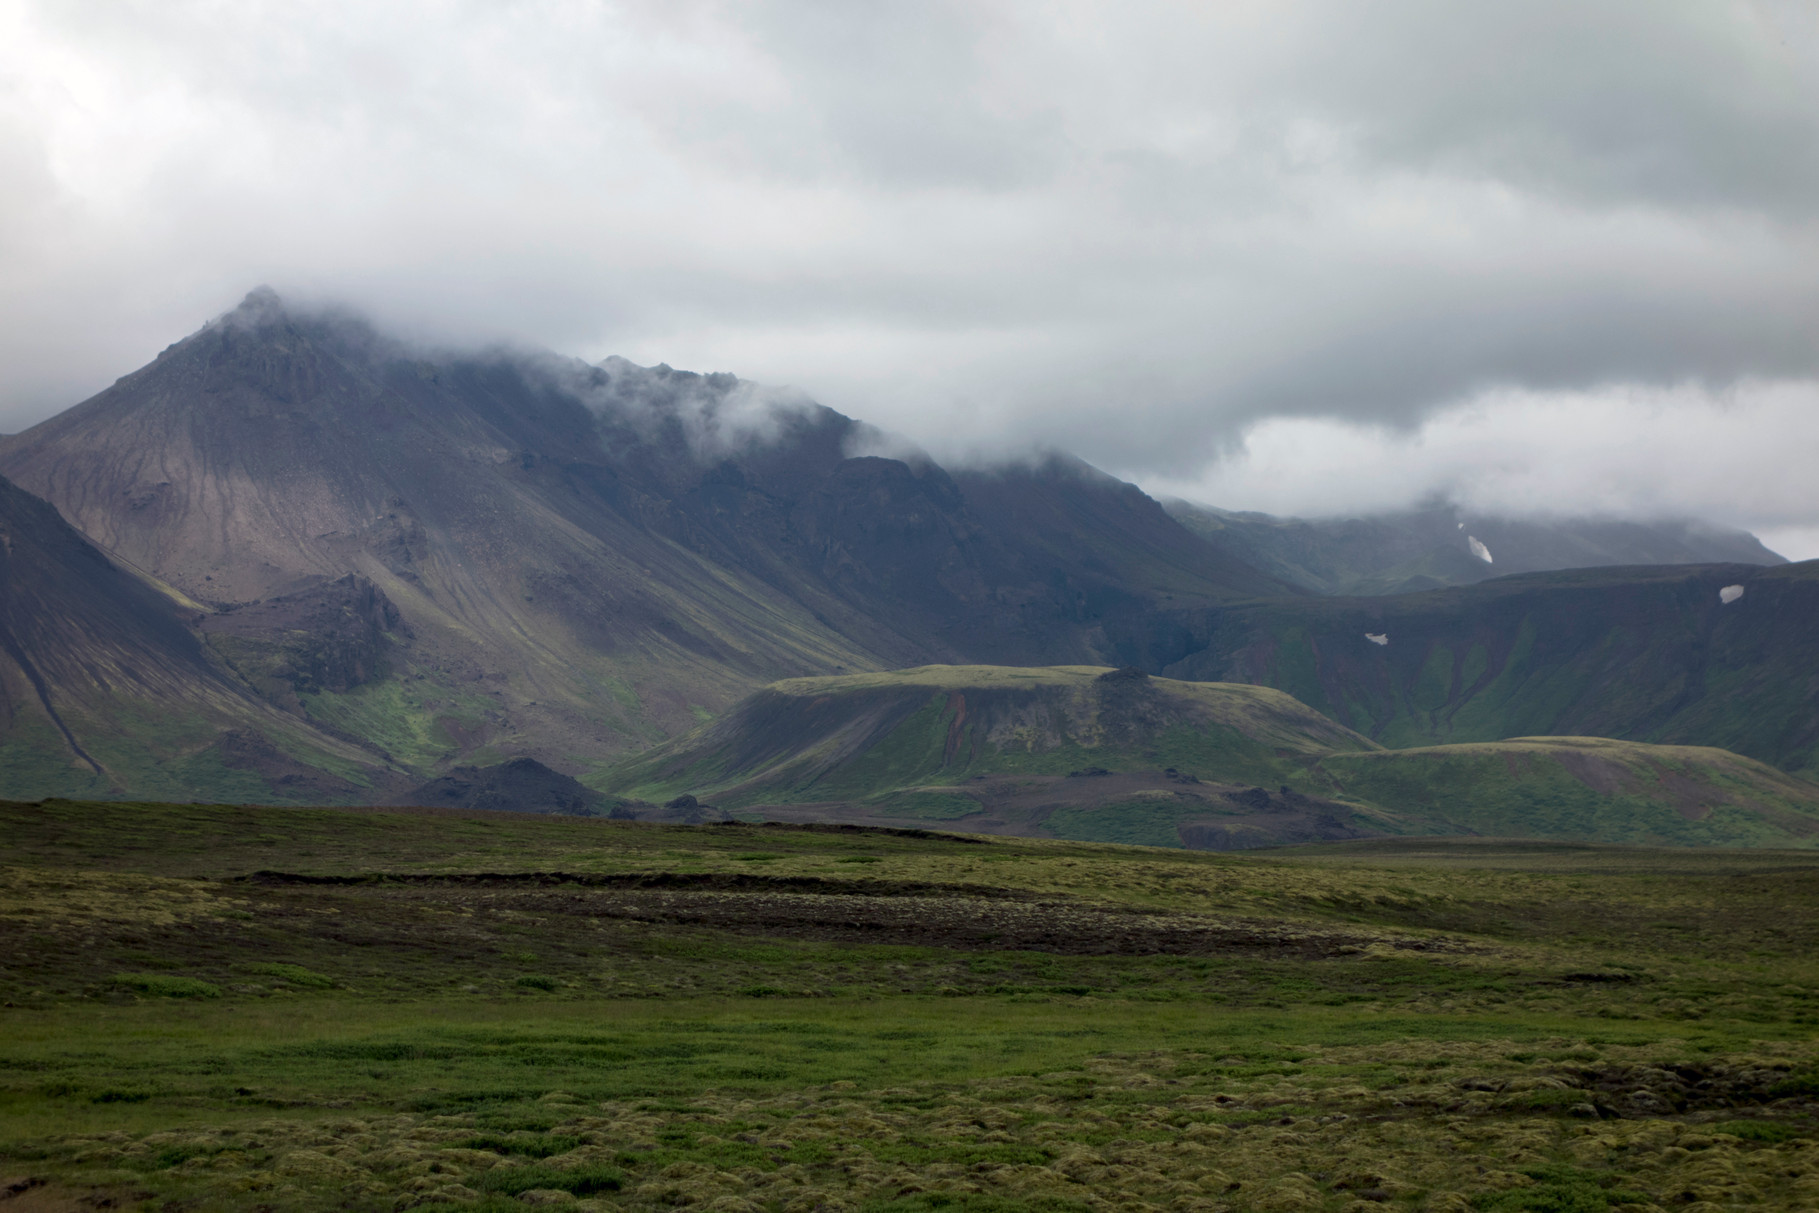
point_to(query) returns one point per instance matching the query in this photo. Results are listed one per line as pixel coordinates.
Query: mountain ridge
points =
(583, 559)
(390, 562)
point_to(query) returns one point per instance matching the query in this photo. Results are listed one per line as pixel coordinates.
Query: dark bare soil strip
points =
(716, 881)
(1627, 1092)
(967, 924)
(901, 913)
(924, 914)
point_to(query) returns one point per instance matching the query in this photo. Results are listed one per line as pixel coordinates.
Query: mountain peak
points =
(262, 306)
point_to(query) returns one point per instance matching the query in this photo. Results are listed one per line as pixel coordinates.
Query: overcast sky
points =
(1296, 255)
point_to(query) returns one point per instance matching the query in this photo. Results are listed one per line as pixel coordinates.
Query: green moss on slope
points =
(954, 743)
(1589, 788)
(856, 737)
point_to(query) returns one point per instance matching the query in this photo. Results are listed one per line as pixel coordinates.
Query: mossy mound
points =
(1108, 755)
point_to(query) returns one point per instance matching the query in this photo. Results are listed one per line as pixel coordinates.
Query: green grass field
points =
(215, 1007)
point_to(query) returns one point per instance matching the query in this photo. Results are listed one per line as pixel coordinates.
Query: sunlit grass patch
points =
(164, 985)
(1768, 1132)
(581, 1181)
(296, 975)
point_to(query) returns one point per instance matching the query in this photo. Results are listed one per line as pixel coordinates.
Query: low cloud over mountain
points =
(1154, 237)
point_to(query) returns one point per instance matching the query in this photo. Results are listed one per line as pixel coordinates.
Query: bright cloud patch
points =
(1741, 458)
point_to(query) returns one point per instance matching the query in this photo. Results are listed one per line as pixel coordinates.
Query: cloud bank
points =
(1245, 247)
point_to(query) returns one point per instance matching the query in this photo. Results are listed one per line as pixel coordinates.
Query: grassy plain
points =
(214, 1007)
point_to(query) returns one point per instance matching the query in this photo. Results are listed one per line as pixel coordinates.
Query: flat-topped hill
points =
(1094, 753)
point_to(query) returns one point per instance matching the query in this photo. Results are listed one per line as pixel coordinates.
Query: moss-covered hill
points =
(1646, 654)
(1589, 788)
(1090, 753)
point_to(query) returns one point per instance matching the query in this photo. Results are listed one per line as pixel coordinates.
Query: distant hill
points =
(1424, 549)
(1587, 788)
(1114, 755)
(1647, 654)
(522, 785)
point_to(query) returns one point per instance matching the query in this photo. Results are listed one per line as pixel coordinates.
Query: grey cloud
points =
(1136, 232)
(1658, 102)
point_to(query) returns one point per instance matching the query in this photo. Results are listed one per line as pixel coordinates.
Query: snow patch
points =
(1478, 549)
(1730, 594)
(1377, 637)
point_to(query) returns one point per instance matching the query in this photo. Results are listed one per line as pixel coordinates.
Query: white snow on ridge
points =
(1730, 594)
(1478, 549)
(1377, 637)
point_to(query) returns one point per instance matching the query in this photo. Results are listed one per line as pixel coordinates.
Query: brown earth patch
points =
(956, 703)
(31, 1194)
(962, 923)
(706, 881)
(245, 750)
(1693, 799)
(1601, 775)
(963, 917)
(1217, 816)
(1247, 832)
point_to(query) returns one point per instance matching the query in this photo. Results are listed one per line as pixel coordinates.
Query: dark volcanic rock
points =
(520, 785)
(332, 636)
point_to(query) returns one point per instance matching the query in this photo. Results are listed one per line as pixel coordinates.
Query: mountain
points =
(1115, 755)
(314, 562)
(1440, 545)
(106, 688)
(461, 558)
(1710, 655)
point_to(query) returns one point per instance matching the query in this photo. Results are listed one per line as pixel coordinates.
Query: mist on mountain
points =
(388, 560)
(1439, 544)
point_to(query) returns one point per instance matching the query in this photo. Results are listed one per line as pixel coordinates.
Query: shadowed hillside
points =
(103, 687)
(1424, 549)
(1647, 654)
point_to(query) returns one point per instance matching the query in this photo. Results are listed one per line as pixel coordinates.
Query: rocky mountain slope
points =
(344, 566)
(462, 558)
(1115, 755)
(106, 688)
(1440, 545)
